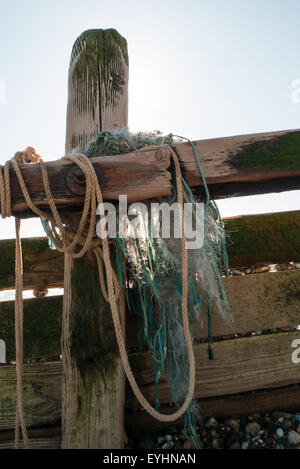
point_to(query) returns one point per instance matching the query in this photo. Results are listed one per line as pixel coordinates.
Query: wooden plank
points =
(240, 365)
(43, 267)
(42, 394)
(140, 176)
(235, 166)
(245, 164)
(42, 327)
(259, 302)
(35, 443)
(40, 438)
(252, 240)
(263, 239)
(93, 376)
(285, 399)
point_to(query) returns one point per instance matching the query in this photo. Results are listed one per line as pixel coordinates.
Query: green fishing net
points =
(152, 276)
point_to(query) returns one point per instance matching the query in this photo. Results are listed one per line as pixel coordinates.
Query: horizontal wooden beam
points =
(252, 239)
(42, 327)
(259, 302)
(263, 239)
(39, 438)
(245, 164)
(285, 399)
(240, 365)
(34, 443)
(235, 166)
(43, 267)
(138, 175)
(42, 394)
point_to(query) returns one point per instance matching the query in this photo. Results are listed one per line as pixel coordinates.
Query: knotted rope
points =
(76, 244)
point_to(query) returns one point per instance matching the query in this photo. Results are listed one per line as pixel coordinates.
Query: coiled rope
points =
(76, 244)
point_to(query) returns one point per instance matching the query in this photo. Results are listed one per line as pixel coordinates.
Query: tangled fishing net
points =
(152, 277)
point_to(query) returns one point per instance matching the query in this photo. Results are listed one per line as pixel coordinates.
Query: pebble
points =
(234, 424)
(215, 443)
(261, 268)
(279, 432)
(236, 272)
(285, 267)
(294, 438)
(252, 428)
(287, 425)
(188, 444)
(211, 423)
(168, 445)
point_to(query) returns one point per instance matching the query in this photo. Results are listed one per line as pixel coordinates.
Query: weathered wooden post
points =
(93, 378)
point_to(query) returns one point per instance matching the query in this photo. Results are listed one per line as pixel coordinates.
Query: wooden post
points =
(93, 377)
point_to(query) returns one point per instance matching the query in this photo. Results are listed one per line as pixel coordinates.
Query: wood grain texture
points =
(259, 302)
(244, 164)
(93, 393)
(285, 399)
(35, 443)
(239, 365)
(42, 327)
(42, 394)
(225, 385)
(40, 438)
(251, 240)
(263, 239)
(233, 166)
(98, 86)
(42, 266)
(140, 176)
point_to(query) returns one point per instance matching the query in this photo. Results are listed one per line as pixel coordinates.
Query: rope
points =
(111, 290)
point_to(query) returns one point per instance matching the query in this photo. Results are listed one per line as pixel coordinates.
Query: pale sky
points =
(200, 69)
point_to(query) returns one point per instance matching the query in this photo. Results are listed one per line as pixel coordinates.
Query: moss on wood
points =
(42, 327)
(41, 265)
(92, 335)
(263, 239)
(279, 153)
(97, 65)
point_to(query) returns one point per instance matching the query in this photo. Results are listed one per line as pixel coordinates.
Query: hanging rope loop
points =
(77, 245)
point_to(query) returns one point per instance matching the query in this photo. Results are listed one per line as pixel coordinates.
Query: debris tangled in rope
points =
(165, 285)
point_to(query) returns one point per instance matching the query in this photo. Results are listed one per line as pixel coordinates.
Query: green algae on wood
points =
(42, 266)
(98, 84)
(263, 239)
(92, 334)
(280, 152)
(42, 327)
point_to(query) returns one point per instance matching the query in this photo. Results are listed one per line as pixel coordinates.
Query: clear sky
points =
(198, 68)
